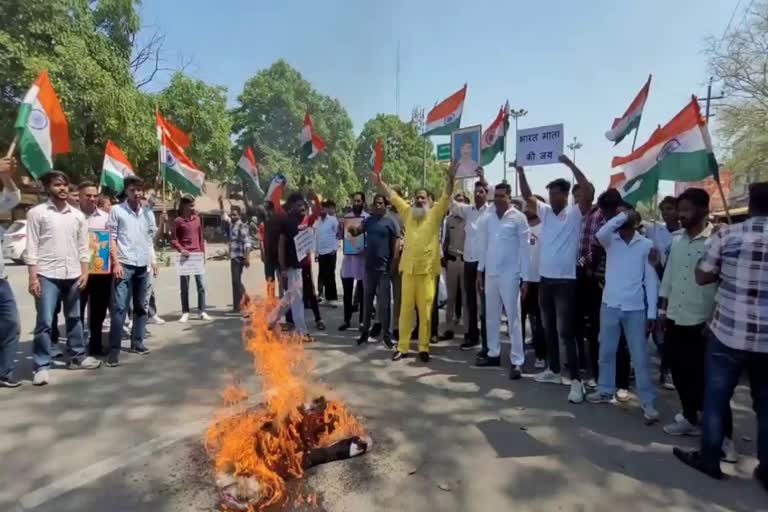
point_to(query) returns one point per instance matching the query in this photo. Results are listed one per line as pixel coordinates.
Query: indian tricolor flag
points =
(679, 151)
(42, 127)
(623, 125)
(311, 143)
(177, 169)
(446, 116)
(493, 137)
(248, 170)
(275, 191)
(116, 168)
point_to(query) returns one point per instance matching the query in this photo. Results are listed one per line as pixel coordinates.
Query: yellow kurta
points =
(419, 265)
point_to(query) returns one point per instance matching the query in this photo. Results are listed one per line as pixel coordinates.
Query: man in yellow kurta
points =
(420, 261)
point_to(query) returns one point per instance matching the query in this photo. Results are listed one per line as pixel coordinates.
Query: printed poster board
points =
(303, 242)
(465, 150)
(192, 265)
(98, 244)
(353, 245)
(539, 146)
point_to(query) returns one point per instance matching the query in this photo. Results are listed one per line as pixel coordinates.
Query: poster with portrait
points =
(353, 245)
(98, 244)
(465, 149)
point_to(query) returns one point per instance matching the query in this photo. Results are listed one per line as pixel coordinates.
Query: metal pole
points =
(517, 189)
(424, 173)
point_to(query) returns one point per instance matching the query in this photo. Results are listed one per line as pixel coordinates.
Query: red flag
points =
(378, 157)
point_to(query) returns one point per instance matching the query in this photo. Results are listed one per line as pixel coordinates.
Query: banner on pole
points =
(539, 146)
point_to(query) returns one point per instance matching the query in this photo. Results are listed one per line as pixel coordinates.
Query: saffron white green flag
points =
(116, 168)
(445, 117)
(178, 169)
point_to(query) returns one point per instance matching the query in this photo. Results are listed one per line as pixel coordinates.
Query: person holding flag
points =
(10, 328)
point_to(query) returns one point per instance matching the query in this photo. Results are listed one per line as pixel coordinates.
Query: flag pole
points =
(13, 146)
(160, 158)
(722, 197)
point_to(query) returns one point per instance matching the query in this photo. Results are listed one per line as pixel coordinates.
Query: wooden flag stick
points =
(13, 147)
(722, 197)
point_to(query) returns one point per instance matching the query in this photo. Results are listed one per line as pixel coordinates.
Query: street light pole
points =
(573, 146)
(516, 114)
(417, 117)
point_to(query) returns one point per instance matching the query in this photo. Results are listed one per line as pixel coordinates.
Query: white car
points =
(15, 242)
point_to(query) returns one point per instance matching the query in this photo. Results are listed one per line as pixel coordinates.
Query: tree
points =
(270, 116)
(201, 110)
(403, 154)
(740, 62)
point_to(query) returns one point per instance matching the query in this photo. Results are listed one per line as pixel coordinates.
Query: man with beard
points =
(353, 266)
(420, 260)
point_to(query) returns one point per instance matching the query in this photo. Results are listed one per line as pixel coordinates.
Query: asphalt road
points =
(447, 436)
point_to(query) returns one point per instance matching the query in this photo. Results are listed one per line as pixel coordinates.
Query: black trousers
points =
(98, 292)
(530, 310)
(587, 324)
(470, 280)
(377, 284)
(686, 351)
(557, 300)
(326, 276)
(348, 286)
(236, 266)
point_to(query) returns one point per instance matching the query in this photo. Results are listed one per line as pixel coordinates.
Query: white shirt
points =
(627, 270)
(8, 201)
(97, 220)
(471, 215)
(57, 241)
(504, 244)
(327, 235)
(534, 240)
(559, 241)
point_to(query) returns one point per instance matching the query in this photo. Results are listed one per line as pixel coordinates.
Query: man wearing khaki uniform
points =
(453, 256)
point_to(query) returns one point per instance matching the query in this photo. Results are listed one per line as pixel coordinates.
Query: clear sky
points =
(575, 62)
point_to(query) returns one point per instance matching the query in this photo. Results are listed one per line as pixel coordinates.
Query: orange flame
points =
(269, 443)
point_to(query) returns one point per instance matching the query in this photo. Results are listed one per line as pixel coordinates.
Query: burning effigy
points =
(256, 450)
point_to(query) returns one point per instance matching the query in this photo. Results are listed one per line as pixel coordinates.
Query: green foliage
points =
(403, 154)
(270, 116)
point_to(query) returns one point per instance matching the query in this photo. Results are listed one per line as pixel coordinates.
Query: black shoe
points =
(694, 460)
(468, 345)
(514, 373)
(9, 382)
(376, 330)
(363, 339)
(142, 351)
(424, 356)
(388, 343)
(486, 361)
(398, 356)
(343, 327)
(112, 362)
(482, 354)
(320, 325)
(447, 335)
(761, 476)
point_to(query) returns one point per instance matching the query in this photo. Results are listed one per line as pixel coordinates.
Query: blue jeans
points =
(184, 283)
(612, 321)
(133, 285)
(51, 292)
(724, 368)
(9, 330)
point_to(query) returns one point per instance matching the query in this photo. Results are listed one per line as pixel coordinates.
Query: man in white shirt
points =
(471, 213)
(630, 284)
(326, 248)
(57, 258)
(504, 260)
(9, 314)
(529, 307)
(560, 233)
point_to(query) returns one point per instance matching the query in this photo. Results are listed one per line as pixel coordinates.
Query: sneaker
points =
(184, 318)
(362, 339)
(398, 355)
(155, 320)
(576, 395)
(41, 378)
(622, 395)
(468, 345)
(142, 351)
(591, 384)
(424, 356)
(540, 364)
(9, 382)
(388, 343)
(487, 362)
(87, 363)
(665, 380)
(111, 362)
(548, 377)
(514, 373)
(650, 414)
(599, 398)
(694, 460)
(320, 325)
(565, 381)
(204, 316)
(56, 352)
(681, 427)
(728, 453)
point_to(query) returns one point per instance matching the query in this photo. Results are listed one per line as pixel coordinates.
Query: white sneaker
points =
(591, 384)
(184, 318)
(540, 364)
(547, 377)
(650, 414)
(565, 381)
(41, 378)
(729, 453)
(204, 316)
(681, 427)
(88, 363)
(576, 396)
(155, 320)
(622, 395)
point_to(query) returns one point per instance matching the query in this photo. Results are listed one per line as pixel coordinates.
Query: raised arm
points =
(525, 188)
(402, 207)
(605, 233)
(438, 211)
(11, 195)
(585, 201)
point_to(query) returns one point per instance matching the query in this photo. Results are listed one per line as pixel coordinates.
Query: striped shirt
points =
(738, 255)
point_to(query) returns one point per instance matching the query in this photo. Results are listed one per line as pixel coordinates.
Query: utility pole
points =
(573, 146)
(417, 118)
(708, 100)
(515, 114)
